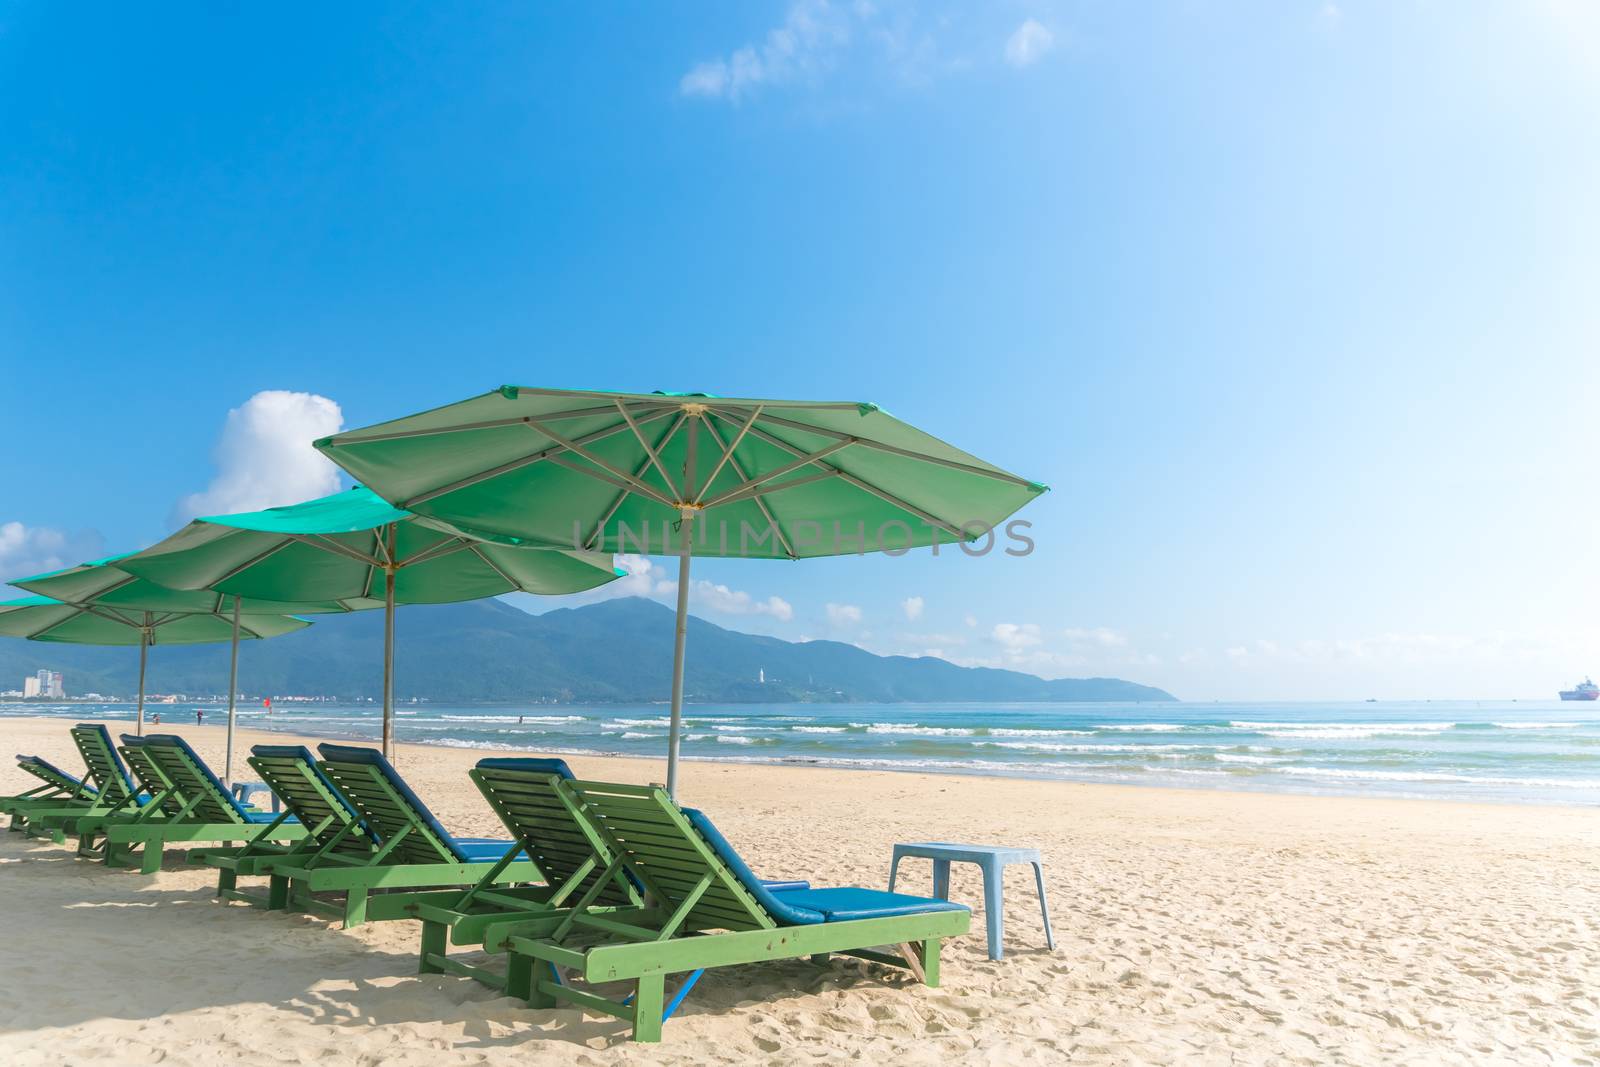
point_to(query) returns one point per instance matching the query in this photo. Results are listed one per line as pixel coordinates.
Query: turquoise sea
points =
(1544, 751)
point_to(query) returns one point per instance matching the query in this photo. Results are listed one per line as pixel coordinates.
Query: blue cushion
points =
(263, 817)
(47, 765)
(485, 849)
(372, 757)
(526, 763)
(785, 886)
(792, 914)
(847, 903)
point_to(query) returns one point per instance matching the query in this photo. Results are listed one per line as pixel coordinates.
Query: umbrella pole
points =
(388, 663)
(144, 654)
(677, 655)
(233, 690)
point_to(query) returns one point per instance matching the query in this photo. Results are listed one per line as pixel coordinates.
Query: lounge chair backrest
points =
(387, 805)
(46, 771)
(670, 857)
(149, 775)
(106, 772)
(531, 798)
(204, 794)
(291, 772)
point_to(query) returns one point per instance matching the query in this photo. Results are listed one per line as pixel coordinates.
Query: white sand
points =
(1192, 927)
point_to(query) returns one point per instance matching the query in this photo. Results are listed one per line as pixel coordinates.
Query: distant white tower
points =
(761, 675)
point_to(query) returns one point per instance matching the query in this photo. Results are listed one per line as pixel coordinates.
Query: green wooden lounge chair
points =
(57, 788)
(707, 910)
(532, 799)
(112, 790)
(408, 847)
(205, 810)
(155, 797)
(331, 824)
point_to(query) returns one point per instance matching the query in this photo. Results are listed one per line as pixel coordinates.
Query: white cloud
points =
(843, 614)
(805, 44)
(720, 598)
(264, 457)
(971, 620)
(29, 550)
(856, 42)
(1029, 43)
(1014, 637)
(912, 606)
(646, 578)
(642, 578)
(1096, 637)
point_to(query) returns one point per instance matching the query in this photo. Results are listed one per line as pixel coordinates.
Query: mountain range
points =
(487, 651)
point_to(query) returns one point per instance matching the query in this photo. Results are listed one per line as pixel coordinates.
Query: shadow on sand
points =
(70, 917)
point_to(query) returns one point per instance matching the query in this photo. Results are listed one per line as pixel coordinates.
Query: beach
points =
(1191, 927)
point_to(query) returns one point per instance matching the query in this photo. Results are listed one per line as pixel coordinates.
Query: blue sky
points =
(1291, 303)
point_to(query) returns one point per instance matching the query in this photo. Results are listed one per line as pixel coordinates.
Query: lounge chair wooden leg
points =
(227, 881)
(277, 893)
(648, 1001)
(355, 908)
(434, 937)
(913, 958)
(151, 860)
(520, 982)
(930, 961)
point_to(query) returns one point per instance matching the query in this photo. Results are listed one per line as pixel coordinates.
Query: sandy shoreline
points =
(1192, 926)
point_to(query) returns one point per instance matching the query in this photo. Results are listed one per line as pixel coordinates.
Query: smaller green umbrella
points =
(103, 585)
(357, 550)
(42, 618)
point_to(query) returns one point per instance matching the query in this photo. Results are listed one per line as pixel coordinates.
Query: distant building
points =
(761, 675)
(50, 685)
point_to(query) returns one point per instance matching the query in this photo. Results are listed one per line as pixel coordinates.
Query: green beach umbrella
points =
(355, 550)
(43, 618)
(113, 592)
(682, 474)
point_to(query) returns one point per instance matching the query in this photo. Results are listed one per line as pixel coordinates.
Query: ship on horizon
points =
(1586, 690)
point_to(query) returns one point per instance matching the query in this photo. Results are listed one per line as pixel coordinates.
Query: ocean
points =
(1540, 752)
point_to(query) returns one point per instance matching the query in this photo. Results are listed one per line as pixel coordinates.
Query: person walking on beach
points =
(158, 718)
(199, 716)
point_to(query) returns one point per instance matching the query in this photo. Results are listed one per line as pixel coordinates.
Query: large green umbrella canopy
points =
(104, 586)
(681, 474)
(43, 618)
(355, 550)
(109, 584)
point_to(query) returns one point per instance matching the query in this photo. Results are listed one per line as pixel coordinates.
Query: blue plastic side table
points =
(242, 792)
(993, 860)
